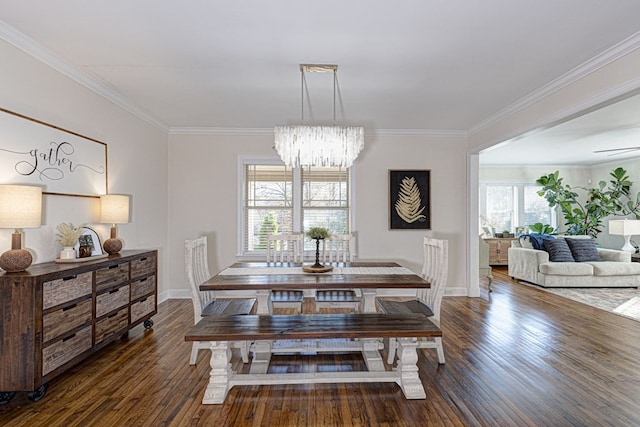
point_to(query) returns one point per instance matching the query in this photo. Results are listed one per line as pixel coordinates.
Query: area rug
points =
(622, 301)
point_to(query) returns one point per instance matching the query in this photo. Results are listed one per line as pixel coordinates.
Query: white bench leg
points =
(265, 306)
(392, 346)
(368, 301)
(261, 357)
(218, 386)
(371, 354)
(407, 367)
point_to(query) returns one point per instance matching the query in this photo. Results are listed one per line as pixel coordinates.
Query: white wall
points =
(203, 198)
(137, 156)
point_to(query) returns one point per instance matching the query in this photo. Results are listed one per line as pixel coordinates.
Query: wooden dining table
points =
(262, 277)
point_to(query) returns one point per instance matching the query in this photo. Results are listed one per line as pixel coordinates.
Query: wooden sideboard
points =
(499, 249)
(53, 316)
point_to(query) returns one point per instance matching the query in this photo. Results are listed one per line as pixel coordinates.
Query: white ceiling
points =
(411, 65)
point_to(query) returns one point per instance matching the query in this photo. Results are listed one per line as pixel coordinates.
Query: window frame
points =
(241, 255)
(518, 202)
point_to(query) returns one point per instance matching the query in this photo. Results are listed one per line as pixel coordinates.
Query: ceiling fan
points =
(615, 151)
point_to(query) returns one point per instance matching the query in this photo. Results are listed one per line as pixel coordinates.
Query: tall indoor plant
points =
(586, 215)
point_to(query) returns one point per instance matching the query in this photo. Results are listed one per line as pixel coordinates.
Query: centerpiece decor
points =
(317, 233)
(68, 237)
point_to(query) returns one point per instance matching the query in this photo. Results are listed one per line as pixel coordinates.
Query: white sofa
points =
(614, 271)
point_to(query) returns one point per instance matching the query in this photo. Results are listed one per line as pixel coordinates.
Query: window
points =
(509, 206)
(279, 199)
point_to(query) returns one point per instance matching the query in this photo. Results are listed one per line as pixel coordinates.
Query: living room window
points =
(507, 206)
(279, 199)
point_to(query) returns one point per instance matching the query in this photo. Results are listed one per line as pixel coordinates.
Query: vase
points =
(317, 264)
(68, 252)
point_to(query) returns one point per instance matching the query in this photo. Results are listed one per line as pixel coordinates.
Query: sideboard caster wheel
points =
(6, 396)
(38, 393)
(148, 324)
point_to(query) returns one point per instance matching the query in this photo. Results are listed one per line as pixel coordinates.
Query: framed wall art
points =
(409, 199)
(89, 238)
(62, 162)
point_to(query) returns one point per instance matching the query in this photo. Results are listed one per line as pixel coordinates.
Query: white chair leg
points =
(194, 353)
(244, 350)
(440, 350)
(391, 350)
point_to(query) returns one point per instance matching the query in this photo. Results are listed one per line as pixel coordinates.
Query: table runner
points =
(252, 271)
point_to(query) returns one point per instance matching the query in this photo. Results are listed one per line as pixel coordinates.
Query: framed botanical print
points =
(409, 199)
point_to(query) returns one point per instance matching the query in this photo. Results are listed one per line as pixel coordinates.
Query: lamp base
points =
(628, 247)
(112, 246)
(15, 260)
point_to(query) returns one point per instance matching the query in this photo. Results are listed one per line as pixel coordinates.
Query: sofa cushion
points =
(566, 268)
(558, 250)
(605, 268)
(583, 249)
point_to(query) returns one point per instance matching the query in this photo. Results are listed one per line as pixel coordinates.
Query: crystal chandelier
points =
(305, 145)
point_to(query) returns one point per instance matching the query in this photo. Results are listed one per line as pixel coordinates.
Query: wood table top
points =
(240, 276)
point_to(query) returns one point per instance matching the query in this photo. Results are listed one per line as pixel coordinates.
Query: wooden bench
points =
(367, 327)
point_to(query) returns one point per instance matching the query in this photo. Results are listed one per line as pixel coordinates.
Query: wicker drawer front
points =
(113, 275)
(143, 266)
(112, 300)
(142, 308)
(60, 321)
(143, 287)
(60, 352)
(66, 289)
(114, 323)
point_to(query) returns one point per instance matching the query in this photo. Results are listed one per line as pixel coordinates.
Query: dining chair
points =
(337, 248)
(435, 270)
(286, 248)
(205, 302)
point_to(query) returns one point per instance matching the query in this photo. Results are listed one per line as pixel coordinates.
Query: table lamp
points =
(625, 228)
(114, 209)
(20, 207)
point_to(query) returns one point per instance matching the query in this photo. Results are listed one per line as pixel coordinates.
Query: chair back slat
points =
(197, 269)
(284, 247)
(435, 269)
(338, 248)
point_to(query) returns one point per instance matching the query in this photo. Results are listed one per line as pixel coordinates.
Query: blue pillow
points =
(558, 250)
(537, 238)
(583, 250)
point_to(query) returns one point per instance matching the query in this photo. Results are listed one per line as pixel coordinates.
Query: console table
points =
(53, 316)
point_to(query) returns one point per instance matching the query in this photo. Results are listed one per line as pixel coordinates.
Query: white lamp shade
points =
(114, 209)
(624, 227)
(20, 206)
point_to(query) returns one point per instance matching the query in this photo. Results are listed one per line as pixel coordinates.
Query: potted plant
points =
(585, 214)
(317, 233)
(68, 237)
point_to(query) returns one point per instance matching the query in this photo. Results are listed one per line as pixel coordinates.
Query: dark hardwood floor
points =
(526, 357)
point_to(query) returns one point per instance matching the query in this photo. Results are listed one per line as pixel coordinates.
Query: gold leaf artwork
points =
(408, 204)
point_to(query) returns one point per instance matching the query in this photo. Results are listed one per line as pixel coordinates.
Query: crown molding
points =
(39, 52)
(269, 132)
(599, 61)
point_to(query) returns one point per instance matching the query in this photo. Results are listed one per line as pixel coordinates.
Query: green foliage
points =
(541, 228)
(268, 226)
(612, 198)
(318, 233)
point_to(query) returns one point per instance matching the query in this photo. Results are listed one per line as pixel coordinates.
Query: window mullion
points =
(297, 200)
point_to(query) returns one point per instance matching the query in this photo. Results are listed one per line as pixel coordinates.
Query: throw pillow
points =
(558, 250)
(537, 239)
(583, 249)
